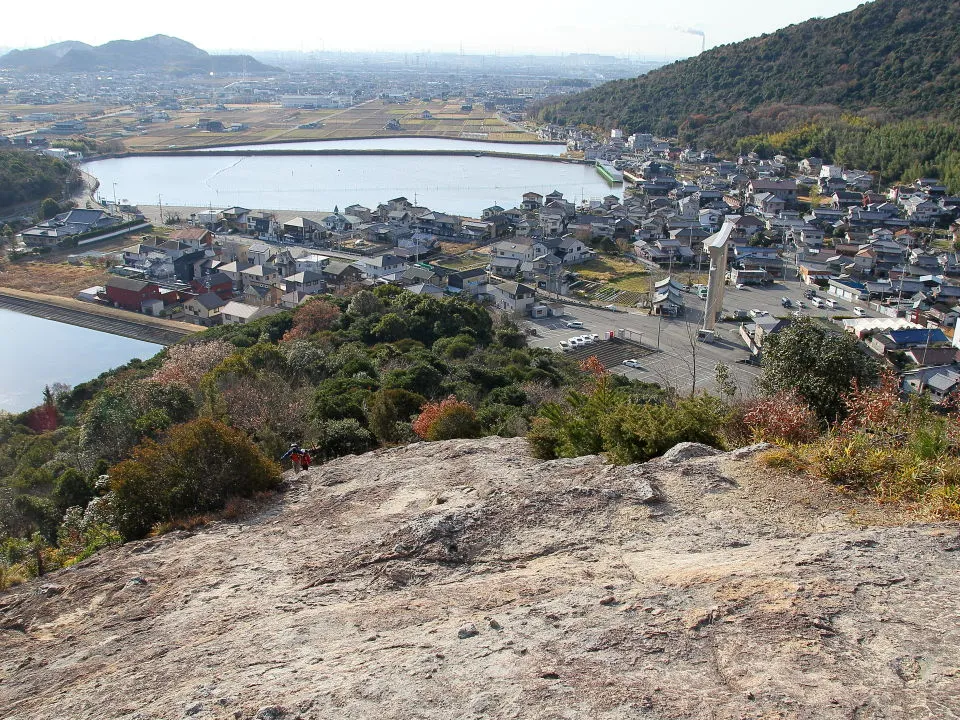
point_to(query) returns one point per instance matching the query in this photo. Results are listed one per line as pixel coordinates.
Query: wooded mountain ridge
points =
(158, 53)
(884, 60)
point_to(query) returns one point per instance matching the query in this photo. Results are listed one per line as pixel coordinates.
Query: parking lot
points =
(679, 360)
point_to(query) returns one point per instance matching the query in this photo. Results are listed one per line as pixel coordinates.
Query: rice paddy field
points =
(272, 123)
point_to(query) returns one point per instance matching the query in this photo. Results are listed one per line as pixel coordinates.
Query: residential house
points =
(939, 382)
(301, 229)
(552, 221)
(363, 213)
(769, 204)
(216, 282)
(294, 299)
(921, 211)
(339, 274)
(232, 270)
(235, 218)
(812, 272)
(312, 262)
(512, 250)
(786, 190)
(204, 309)
(438, 223)
(131, 294)
(478, 230)
(65, 225)
(425, 289)
(512, 297)
(377, 267)
(340, 223)
(261, 295)
(472, 283)
(532, 201)
(259, 253)
(237, 313)
(572, 251)
(307, 281)
(262, 223)
(745, 226)
(196, 237)
(258, 275)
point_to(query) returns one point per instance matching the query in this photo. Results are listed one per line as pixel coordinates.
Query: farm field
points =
(272, 123)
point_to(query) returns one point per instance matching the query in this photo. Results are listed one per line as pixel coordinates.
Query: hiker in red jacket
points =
(296, 456)
(305, 459)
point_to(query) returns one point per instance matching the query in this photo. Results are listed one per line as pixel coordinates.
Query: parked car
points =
(575, 342)
(594, 337)
(574, 324)
(564, 345)
(632, 363)
(757, 313)
(609, 307)
(801, 304)
(741, 286)
(586, 339)
(859, 312)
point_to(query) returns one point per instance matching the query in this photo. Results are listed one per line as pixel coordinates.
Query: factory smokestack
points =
(699, 33)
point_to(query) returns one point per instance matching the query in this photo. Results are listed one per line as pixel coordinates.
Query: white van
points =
(831, 303)
(574, 324)
(817, 302)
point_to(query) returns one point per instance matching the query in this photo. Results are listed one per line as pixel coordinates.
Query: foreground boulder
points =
(466, 579)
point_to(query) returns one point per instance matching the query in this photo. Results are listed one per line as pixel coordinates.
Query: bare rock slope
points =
(466, 579)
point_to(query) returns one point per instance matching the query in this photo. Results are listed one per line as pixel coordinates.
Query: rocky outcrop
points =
(465, 579)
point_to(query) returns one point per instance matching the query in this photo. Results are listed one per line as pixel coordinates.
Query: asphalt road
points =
(682, 362)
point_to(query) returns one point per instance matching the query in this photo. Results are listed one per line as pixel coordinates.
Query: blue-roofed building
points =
(847, 289)
(913, 338)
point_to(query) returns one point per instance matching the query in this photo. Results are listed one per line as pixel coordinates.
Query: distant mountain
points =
(885, 60)
(159, 53)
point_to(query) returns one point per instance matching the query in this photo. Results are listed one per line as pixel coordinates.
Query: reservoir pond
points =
(38, 352)
(456, 184)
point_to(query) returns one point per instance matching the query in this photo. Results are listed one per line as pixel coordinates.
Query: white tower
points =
(716, 245)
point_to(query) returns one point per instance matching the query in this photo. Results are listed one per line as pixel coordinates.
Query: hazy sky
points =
(648, 28)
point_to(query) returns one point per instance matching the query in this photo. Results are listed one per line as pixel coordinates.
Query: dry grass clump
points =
(899, 451)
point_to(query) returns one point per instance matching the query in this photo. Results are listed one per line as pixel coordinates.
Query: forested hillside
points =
(887, 60)
(27, 176)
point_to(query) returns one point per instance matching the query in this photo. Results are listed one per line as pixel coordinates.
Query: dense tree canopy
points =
(819, 365)
(27, 177)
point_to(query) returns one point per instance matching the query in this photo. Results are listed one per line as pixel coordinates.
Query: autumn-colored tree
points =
(446, 420)
(311, 317)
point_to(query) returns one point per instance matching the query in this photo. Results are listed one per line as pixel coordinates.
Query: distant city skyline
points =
(645, 29)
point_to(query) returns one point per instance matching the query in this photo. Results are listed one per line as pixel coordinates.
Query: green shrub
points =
(636, 433)
(196, 468)
(344, 437)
